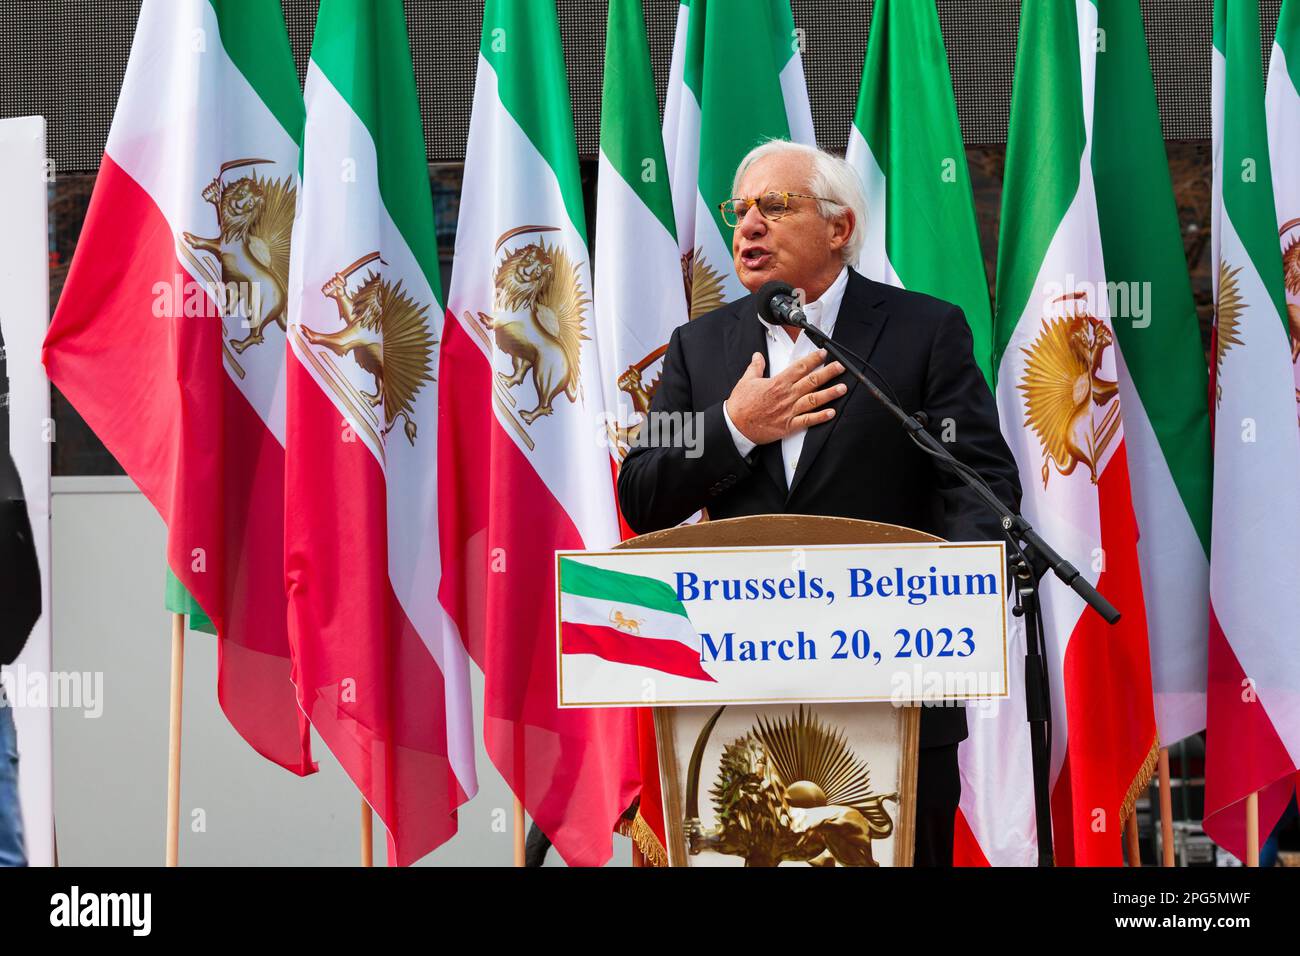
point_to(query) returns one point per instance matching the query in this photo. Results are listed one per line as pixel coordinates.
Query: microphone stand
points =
(1024, 542)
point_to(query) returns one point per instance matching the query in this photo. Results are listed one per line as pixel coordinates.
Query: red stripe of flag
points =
(1111, 745)
(611, 644)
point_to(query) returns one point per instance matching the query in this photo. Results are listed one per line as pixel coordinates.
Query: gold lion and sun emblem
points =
(537, 320)
(625, 622)
(246, 264)
(1062, 384)
(791, 789)
(386, 332)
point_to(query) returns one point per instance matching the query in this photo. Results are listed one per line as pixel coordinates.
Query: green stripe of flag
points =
(1143, 247)
(179, 601)
(253, 35)
(1247, 175)
(735, 52)
(362, 49)
(1042, 172)
(583, 580)
(629, 124)
(521, 41)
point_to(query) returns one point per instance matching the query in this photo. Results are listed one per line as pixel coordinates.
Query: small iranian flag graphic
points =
(626, 619)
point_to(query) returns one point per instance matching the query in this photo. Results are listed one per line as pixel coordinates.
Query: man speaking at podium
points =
(786, 433)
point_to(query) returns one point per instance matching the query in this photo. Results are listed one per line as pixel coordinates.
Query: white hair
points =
(832, 179)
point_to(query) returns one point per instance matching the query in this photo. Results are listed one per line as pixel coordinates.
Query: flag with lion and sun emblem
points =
(379, 667)
(525, 467)
(169, 337)
(1162, 387)
(1252, 734)
(1057, 364)
(639, 296)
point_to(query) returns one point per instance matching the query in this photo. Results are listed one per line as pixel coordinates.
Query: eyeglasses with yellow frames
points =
(771, 205)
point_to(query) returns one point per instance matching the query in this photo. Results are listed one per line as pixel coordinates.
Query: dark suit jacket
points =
(860, 464)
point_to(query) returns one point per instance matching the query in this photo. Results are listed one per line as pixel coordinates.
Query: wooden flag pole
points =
(520, 834)
(1131, 837)
(367, 834)
(174, 742)
(1166, 810)
(1252, 830)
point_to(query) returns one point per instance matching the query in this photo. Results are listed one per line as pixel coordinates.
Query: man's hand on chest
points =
(765, 410)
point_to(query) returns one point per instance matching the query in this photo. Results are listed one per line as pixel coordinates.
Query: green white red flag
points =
(1162, 384)
(379, 666)
(1057, 365)
(736, 79)
(524, 470)
(169, 336)
(1252, 735)
(639, 295)
(596, 605)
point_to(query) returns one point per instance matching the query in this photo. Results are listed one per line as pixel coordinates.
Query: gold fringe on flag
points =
(639, 832)
(1140, 782)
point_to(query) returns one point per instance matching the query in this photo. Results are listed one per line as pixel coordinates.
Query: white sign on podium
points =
(761, 625)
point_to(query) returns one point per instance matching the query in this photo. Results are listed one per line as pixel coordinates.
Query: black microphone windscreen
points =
(764, 296)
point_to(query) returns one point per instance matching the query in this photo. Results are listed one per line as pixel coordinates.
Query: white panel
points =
(24, 275)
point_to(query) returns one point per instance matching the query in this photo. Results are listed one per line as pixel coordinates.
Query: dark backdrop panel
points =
(65, 58)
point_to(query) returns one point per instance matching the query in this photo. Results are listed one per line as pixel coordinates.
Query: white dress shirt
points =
(781, 352)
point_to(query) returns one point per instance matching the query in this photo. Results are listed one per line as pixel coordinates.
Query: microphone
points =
(777, 304)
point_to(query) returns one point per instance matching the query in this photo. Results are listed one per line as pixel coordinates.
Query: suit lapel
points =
(857, 327)
(744, 338)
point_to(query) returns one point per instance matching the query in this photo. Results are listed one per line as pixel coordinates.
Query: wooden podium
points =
(724, 770)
